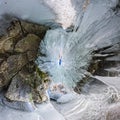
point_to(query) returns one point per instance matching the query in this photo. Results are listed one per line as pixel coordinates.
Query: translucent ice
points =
(66, 55)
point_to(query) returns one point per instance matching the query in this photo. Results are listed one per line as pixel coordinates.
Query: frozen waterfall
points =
(62, 58)
(66, 55)
(79, 28)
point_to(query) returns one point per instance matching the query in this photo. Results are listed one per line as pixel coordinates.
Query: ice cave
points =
(59, 60)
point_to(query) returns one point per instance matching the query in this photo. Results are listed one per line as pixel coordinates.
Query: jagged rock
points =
(31, 55)
(11, 67)
(16, 62)
(39, 97)
(34, 29)
(28, 43)
(6, 45)
(19, 91)
(41, 83)
(40, 92)
(28, 87)
(8, 41)
(14, 39)
(19, 95)
(18, 51)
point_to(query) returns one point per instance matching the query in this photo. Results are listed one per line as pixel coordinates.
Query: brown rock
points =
(28, 43)
(36, 29)
(39, 97)
(37, 85)
(32, 55)
(6, 45)
(11, 67)
(2, 81)
(16, 62)
(4, 74)
(41, 85)
(8, 41)
(19, 91)
(15, 31)
(18, 51)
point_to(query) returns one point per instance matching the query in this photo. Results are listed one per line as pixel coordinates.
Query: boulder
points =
(8, 41)
(11, 67)
(28, 43)
(18, 90)
(36, 29)
(19, 95)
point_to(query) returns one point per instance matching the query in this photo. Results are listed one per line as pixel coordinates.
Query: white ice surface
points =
(66, 98)
(45, 111)
(91, 106)
(111, 81)
(32, 10)
(113, 69)
(40, 11)
(114, 58)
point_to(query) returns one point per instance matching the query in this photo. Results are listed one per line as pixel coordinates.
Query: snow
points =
(64, 10)
(44, 111)
(40, 11)
(47, 111)
(101, 55)
(92, 105)
(113, 69)
(66, 98)
(114, 58)
(27, 9)
(111, 81)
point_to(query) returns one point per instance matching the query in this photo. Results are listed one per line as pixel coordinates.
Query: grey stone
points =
(19, 91)
(24, 106)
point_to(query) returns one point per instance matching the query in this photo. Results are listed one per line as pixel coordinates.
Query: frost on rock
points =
(66, 55)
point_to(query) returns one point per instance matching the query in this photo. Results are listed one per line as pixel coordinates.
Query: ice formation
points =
(66, 55)
(62, 57)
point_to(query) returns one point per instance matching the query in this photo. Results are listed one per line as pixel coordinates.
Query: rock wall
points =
(19, 76)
